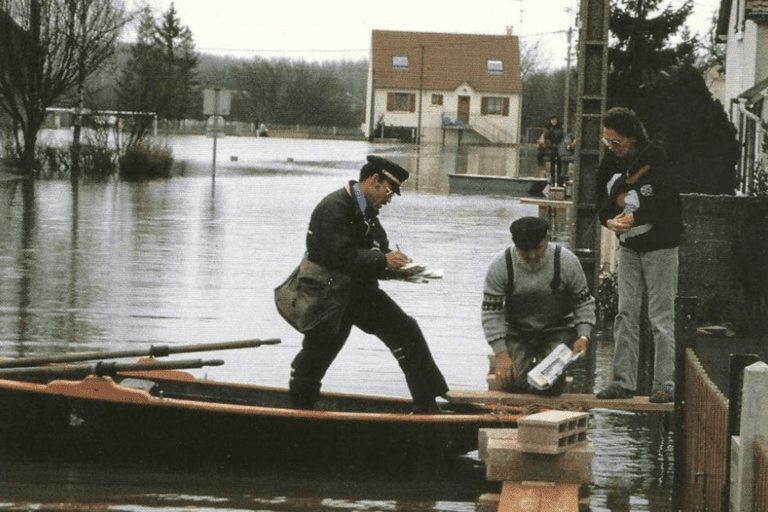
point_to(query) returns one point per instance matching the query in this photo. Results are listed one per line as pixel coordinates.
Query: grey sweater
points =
(532, 291)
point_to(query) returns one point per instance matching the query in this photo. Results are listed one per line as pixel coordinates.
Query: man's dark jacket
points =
(342, 238)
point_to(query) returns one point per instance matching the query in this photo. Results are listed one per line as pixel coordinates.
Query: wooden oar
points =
(101, 369)
(153, 351)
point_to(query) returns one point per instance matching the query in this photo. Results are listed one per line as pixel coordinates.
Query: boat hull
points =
(191, 422)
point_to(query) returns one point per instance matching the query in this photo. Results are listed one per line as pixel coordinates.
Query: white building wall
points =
(432, 115)
(741, 51)
(761, 47)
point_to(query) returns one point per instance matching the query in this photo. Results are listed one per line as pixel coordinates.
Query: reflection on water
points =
(124, 265)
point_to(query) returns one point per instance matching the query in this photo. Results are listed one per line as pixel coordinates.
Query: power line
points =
(276, 50)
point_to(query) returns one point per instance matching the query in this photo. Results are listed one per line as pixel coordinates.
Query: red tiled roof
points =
(449, 61)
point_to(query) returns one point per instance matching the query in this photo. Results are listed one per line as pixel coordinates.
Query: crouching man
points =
(535, 297)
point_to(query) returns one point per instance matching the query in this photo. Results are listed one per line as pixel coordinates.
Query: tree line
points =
(51, 55)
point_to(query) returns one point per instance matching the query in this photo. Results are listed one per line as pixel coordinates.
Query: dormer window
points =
(400, 62)
(495, 67)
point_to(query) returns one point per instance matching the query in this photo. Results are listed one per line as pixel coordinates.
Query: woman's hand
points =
(621, 223)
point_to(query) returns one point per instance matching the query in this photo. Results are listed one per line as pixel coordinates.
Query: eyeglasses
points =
(390, 192)
(611, 143)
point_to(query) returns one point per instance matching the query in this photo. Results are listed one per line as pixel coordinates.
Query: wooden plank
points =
(566, 401)
(539, 496)
(549, 203)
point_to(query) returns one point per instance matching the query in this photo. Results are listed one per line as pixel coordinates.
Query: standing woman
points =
(639, 201)
(554, 136)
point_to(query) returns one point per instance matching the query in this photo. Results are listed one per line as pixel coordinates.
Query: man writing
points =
(345, 235)
(535, 297)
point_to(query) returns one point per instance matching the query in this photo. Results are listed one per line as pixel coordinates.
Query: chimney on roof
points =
(510, 30)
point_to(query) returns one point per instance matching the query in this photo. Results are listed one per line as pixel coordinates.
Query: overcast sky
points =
(341, 29)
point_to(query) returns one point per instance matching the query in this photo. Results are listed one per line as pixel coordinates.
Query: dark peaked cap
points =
(390, 169)
(528, 232)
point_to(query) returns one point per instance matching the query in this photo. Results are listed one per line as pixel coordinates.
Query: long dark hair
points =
(627, 123)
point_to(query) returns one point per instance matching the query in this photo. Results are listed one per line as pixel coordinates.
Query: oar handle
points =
(165, 350)
(154, 351)
(100, 369)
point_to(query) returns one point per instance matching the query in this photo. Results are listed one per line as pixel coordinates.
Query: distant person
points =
(639, 201)
(554, 136)
(345, 235)
(535, 297)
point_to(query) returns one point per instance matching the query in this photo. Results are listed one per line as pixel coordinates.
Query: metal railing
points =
(752, 173)
(482, 126)
(490, 130)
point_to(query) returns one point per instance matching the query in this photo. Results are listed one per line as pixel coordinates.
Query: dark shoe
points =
(427, 407)
(303, 397)
(662, 395)
(615, 391)
(301, 402)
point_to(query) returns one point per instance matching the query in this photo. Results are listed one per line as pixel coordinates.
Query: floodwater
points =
(195, 258)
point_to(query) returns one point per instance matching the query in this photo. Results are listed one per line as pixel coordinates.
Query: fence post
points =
(686, 319)
(735, 386)
(754, 422)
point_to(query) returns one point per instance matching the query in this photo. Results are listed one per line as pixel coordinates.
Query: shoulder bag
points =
(313, 296)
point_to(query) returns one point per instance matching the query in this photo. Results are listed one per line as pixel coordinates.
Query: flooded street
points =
(195, 259)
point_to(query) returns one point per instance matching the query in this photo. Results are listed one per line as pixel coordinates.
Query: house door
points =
(463, 112)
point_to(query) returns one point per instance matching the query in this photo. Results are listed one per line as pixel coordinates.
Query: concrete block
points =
(557, 193)
(505, 461)
(552, 431)
(539, 496)
(493, 383)
(486, 434)
(487, 502)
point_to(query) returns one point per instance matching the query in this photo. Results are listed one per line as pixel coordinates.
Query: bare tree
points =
(49, 48)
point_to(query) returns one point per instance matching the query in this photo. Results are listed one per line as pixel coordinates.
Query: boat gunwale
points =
(78, 390)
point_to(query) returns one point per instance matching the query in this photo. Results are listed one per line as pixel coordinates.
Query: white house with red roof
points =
(450, 87)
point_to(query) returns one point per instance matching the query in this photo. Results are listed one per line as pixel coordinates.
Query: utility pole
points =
(567, 82)
(421, 93)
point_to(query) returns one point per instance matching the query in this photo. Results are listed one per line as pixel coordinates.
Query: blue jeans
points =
(656, 272)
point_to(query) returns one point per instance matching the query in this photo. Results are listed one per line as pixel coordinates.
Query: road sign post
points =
(216, 102)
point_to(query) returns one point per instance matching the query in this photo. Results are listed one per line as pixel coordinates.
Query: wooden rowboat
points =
(169, 415)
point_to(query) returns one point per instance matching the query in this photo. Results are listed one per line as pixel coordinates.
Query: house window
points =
(495, 106)
(401, 102)
(437, 99)
(495, 67)
(400, 62)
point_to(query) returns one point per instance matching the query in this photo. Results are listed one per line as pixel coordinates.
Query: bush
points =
(145, 161)
(97, 163)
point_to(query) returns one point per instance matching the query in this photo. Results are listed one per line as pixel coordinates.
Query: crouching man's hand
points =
(581, 345)
(505, 369)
